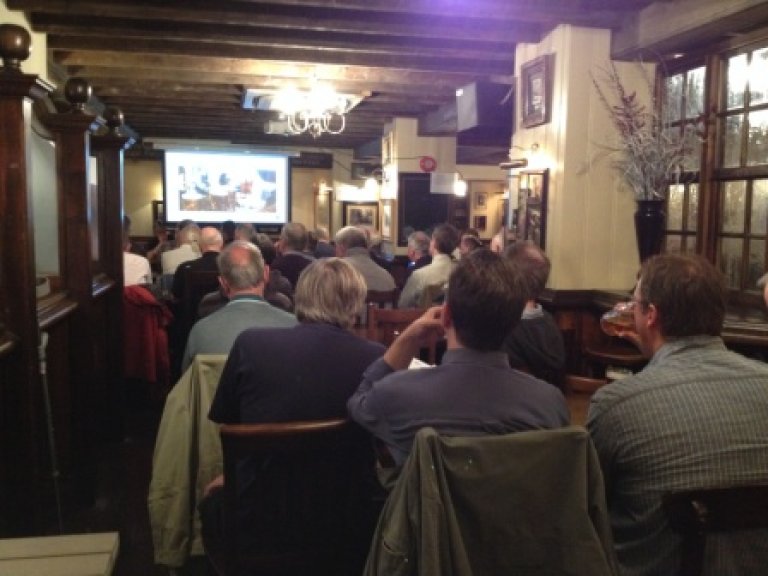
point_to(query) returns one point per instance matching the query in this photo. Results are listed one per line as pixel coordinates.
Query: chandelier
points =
(315, 111)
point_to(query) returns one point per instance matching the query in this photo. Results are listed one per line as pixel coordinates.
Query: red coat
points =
(146, 341)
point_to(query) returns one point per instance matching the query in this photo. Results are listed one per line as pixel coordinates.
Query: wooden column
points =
(71, 131)
(22, 446)
(108, 150)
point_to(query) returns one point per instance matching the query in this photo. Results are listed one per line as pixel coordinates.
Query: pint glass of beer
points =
(619, 320)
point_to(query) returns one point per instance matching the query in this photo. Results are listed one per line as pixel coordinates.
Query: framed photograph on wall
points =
(386, 221)
(480, 223)
(481, 200)
(536, 91)
(361, 214)
(532, 206)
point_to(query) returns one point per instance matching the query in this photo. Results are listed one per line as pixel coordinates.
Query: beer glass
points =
(619, 320)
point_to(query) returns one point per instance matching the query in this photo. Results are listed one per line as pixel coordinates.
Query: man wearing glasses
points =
(695, 417)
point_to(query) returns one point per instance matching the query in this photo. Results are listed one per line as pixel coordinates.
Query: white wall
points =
(590, 228)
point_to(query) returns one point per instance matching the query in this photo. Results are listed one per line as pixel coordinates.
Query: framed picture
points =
(536, 91)
(361, 214)
(480, 223)
(532, 206)
(481, 200)
(386, 221)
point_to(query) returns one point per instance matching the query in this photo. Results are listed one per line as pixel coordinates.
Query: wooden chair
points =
(578, 392)
(383, 299)
(385, 324)
(308, 498)
(698, 513)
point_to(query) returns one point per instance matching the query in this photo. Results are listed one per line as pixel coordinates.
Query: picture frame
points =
(536, 91)
(386, 221)
(532, 206)
(481, 200)
(361, 214)
(480, 223)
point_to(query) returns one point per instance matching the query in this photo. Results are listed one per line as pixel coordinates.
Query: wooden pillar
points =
(71, 131)
(22, 447)
(108, 150)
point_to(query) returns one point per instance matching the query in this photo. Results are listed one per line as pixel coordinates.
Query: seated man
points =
(292, 258)
(352, 245)
(536, 343)
(474, 391)
(243, 276)
(444, 240)
(306, 372)
(695, 417)
(136, 268)
(418, 251)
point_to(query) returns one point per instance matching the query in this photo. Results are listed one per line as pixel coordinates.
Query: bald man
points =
(211, 242)
(242, 276)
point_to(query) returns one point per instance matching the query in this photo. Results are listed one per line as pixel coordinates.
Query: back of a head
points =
(321, 233)
(190, 234)
(486, 296)
(228, 228)
(532, 263)
(330, 291)
(469, 243)
(688, 292)
(267, 247)
(419, 242)
(446, 238)
(245, 231)
(211, 239)
(293, 236)
(241, 265)
(351, 237)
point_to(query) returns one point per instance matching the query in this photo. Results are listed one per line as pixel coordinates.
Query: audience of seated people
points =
(474, 391)
(187, 242)
(136, 268)
(307, 372)
(242, 275)
(536, 343)
(695, 417)
(443, 243)
(418, 251)
(352, 245)
(292, 256)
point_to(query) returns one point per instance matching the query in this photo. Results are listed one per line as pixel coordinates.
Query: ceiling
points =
(179, 68)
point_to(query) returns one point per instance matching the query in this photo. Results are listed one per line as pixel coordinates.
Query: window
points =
(720, 205)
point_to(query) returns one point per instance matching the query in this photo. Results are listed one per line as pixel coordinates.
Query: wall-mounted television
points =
(215, 186)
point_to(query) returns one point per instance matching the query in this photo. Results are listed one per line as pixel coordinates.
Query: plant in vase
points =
(648, 154)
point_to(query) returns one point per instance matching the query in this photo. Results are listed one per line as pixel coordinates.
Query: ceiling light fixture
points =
(316, 111)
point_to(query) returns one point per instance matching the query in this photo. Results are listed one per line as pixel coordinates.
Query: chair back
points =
(382, 298)
(305, 493)
(385, 324)
(696, 513)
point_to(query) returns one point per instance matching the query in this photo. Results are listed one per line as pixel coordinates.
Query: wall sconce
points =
(459, 186)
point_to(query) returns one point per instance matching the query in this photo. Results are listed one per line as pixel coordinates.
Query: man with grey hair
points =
(242, 276)
(444, 240)
(352, 245)
(292, 257)
(418, 251)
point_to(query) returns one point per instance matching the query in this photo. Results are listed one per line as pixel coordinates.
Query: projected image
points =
(213, 187)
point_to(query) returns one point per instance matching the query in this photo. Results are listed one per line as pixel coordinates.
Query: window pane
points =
(756, 266)
(692, 160)
(757, 151)
(693, 208)
(732, 144)
(673, 244)
(733, 206)
(730, 260)
(676, 196)
(759, 212)
(758, 77)
(674, 104)
(737, 79)
(695, 93)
